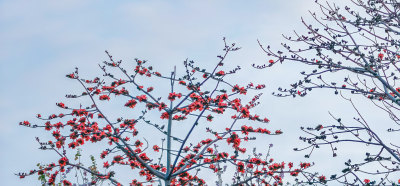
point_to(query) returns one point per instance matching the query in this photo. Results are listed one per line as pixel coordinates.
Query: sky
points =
(41, 41)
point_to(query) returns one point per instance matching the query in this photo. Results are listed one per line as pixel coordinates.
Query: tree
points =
(181, 119)
(359, 45)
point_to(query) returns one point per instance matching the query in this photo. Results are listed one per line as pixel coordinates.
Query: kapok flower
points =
(240, 167)
(164, 115)
(63, 161)
(156, 148)
(131, 103)
(220, 73)
(380, 56)
(66, 183)
(142, 98)
(106, 165)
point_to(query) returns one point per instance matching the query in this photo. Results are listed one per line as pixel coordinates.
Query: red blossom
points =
(209, 118)
(164, 115)
(173, 95)
(182, 82)
(72, 75)
(141, 98)
(104, 97)
(156, 148)
(220, 73)
(106, 165)
(63, 161)
(245, 112)
(380, 56)
(240, 167)
(241, 90)
(131, 103)
(322, 179)
(25, 123)
(61, 105)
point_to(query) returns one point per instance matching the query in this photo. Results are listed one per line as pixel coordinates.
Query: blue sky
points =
(41, 41)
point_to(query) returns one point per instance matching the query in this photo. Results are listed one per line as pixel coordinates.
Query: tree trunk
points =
(167, 182)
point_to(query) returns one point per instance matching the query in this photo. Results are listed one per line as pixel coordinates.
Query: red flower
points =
(271, 61)
(182, 82)
(367, 181)
(103, 154)
(79, 112)
(66, 183)
(322, 179)
(80, 141)
(117, 158)
(212, 166)
(173, 95)
(245, 112)
(59, 144)
(56, 134)
(26, 123)
(304, 165)
(260, 86)
(295, 172)
(380, 56)
(162, 106)
(220, 73)
(61, 105)
(138, 144)
(179, 117)
(209, 118)
(106, 165)
(240, 167)
(131, 103)
(142, 98)
(63, 161)
(144, 157)
(72, 75)
(164, 115)
(58, 125)
(109, 88)
(156, 148)
(241, 90)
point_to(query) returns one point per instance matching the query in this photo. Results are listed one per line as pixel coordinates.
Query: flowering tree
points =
(171, 139)
(361, 44)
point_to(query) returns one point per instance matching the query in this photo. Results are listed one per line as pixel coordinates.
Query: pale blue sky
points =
(41, 41)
